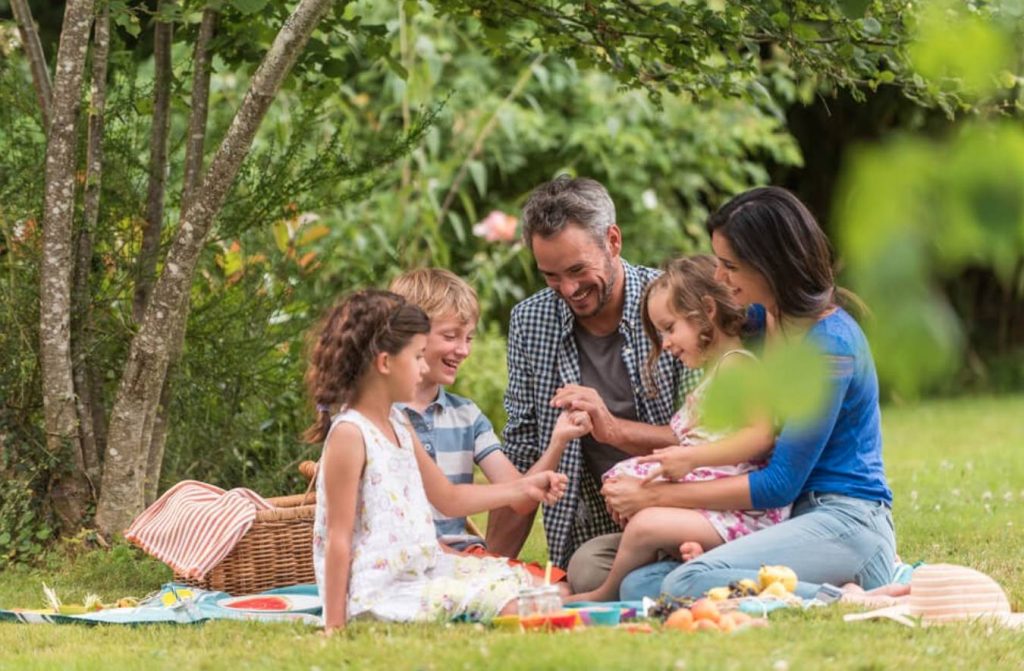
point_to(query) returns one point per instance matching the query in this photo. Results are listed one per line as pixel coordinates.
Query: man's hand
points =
(674, 462)
(627, 496)
(544, 487)
(572, 424)
(577, 397)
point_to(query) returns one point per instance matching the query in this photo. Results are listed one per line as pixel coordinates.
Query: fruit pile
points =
(714, 613)
(704, 615)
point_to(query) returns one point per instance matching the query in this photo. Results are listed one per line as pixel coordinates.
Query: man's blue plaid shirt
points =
(542, 357)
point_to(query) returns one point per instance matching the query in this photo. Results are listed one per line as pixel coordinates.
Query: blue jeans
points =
(829, 538)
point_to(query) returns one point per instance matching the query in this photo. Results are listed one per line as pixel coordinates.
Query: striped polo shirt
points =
(456, 435)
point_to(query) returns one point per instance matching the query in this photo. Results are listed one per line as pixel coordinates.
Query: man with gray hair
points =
(579, 345)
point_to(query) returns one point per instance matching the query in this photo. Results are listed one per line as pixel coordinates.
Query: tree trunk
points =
(166, 313)
(163, 35)
(81, 297)
(36, 58)
(69, 490)
(193, 171)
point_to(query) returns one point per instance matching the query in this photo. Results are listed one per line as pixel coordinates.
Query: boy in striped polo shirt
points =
(453, 430)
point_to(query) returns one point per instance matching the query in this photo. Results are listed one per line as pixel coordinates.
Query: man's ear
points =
(613, 238)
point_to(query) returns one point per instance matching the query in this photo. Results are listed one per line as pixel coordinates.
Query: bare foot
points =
(886, 595)
(690, 550)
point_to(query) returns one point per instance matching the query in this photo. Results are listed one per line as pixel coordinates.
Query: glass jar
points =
(548, 599)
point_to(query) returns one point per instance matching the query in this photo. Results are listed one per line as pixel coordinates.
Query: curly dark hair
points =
(357, 329)
(689, 281)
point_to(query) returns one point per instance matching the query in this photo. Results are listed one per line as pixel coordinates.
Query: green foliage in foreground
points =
(955, 466)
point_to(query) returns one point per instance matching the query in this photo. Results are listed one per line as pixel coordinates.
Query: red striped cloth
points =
(195, 525)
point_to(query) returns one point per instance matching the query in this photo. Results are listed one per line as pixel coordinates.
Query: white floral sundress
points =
(730, 524)
(399, 571)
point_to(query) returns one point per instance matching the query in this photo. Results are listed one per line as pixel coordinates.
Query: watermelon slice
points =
(260, 603)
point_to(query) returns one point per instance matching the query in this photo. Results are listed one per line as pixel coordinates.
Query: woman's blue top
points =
(840, 452)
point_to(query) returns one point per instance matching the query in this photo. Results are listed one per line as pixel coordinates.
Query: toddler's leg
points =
(652, 529)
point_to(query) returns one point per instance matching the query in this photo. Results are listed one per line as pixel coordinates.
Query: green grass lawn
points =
(957, 468)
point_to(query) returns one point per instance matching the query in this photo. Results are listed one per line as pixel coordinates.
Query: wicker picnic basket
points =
(277, 551)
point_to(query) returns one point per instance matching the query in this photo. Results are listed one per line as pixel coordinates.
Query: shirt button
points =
(428, 447)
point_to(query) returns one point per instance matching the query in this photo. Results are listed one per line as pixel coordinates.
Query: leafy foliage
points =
(717, 47)
(916, 210)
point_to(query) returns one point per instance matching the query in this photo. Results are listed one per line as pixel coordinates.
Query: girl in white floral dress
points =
(375, 552)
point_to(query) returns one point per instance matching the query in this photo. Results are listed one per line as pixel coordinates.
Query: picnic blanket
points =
(194, 525)
(180, 604)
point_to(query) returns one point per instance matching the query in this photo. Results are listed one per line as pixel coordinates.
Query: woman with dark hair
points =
(772, 253)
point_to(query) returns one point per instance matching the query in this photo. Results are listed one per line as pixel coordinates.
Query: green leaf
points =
(478, 171)
(281, 235)
(871, 26)
(781, 19)
(396, 67)
(854, 9)
(249, 6)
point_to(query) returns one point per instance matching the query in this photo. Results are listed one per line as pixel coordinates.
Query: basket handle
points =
(309, 469)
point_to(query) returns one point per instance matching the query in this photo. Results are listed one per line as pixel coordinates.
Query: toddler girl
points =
(375, 551)
(692, 317)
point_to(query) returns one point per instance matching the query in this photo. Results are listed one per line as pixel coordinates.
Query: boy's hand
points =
(577, 397)
(544, 487)
(571, 425)
(675, 462)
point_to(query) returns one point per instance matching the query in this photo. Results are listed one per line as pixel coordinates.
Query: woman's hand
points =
(675, 462)
(544, 487)
(627, 496)
(571, 425)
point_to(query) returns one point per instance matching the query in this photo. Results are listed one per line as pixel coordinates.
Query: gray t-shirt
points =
(602, 368)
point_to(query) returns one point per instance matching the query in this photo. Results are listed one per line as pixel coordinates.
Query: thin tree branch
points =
(36, 58)
(201, 59)
(81, 301)
(485, 131)
(163, 34)
(194, 147)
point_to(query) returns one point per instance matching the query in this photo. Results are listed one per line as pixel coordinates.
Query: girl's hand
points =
(675, 462)
(544, 487)
(627, 496)
(571, 425)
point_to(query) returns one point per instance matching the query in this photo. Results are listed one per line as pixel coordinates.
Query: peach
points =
(705, 609)
(681, 619)
(705, 625)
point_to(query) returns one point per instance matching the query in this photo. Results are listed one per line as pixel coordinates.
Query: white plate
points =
(294, 603)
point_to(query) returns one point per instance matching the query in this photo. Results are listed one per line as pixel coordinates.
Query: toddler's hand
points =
(572, 424)
(544, 487)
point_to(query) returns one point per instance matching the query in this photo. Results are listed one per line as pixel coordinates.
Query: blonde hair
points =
(439, 293)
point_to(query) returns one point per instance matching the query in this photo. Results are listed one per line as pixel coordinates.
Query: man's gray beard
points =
(606, 293)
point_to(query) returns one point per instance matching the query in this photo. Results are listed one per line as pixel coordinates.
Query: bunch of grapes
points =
(668, 604)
